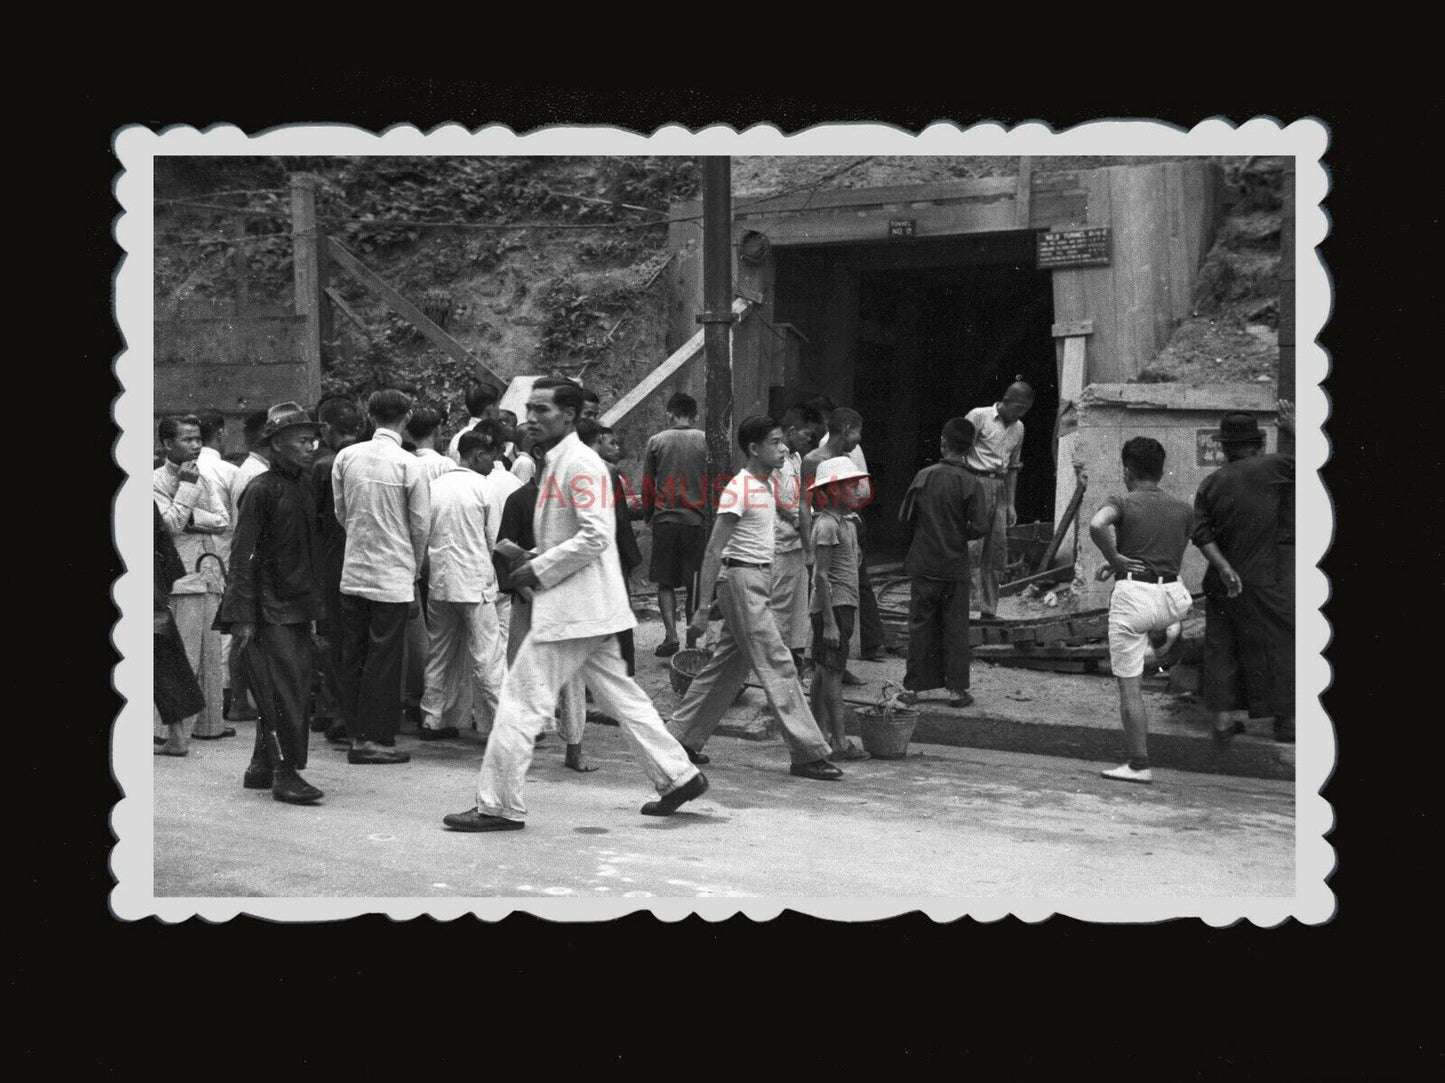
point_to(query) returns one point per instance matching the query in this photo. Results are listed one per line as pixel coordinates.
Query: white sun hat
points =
(838, 468)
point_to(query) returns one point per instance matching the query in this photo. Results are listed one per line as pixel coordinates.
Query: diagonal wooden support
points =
(347, 261)
(657, 377)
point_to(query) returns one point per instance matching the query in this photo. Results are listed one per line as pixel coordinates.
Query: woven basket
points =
(687, 664)
(886, 737)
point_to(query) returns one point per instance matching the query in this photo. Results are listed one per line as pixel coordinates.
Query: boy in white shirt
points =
(741, 549)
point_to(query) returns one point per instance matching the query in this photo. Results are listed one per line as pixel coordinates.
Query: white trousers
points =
(529, 696)
(571, 701)
(463, 665)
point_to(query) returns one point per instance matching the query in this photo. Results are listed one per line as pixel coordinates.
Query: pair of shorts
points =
(834, 658)
(677, 550)
(1135, 609)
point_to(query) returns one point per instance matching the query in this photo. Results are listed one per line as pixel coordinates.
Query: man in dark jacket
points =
(273, 595)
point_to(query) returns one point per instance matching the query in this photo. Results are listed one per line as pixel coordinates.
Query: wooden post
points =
(1023, 194)
(717, 317)
(1286, 300)
(308, 260)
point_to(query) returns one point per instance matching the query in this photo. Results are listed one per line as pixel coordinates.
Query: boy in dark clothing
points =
(945, 506)
(1150, 534)
(273, 595)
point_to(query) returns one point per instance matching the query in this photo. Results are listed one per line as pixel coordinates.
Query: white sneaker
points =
(1125, 773)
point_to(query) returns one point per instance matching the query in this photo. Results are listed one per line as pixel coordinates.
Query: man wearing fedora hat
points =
(1244, 525)
(273, 595)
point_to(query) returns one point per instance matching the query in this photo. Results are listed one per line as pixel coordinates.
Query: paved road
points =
(943, 822)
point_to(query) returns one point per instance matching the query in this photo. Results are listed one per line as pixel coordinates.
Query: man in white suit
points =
(580, 605)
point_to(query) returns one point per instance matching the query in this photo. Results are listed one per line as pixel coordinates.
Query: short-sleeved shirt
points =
(996, 446)
(674, 470)
(831, 529)
(750, 498)
(1247, 508)
(1152, 527)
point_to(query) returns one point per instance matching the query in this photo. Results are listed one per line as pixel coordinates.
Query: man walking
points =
(273, 595)
(944, 507)
(580, 603)
(463, 653)
(674, 488)
(995, 459)
(1244, 525)
(741, 551)
(383, 502)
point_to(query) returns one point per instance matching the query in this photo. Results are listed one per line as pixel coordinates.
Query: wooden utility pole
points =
(309, 263)
(717, 315)
(1286, 299)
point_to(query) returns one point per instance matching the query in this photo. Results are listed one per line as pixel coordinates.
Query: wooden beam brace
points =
(664, 372)
(409, 312)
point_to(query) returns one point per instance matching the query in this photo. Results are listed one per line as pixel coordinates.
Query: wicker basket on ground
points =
(687, 664)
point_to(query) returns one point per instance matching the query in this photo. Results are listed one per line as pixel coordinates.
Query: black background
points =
(1173, 1001)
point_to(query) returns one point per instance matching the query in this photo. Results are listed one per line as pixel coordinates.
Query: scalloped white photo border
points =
(132, 858)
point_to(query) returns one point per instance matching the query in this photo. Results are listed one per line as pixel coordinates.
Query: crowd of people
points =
(346, 542)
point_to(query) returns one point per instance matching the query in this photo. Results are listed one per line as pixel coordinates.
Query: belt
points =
(729, 562)
(1141, 578)
(994, 474)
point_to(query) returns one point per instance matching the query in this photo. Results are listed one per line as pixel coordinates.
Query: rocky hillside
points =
(586, 300)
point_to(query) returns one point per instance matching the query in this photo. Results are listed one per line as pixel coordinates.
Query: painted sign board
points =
(1074, 248)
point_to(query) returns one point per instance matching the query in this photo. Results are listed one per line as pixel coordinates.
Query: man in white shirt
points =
(462, 631)
(481, 404)
(500, 484)
(422, 428)
(792, 553)
(995, 460)
(580, 602)
(222, 477)
(197, 515)
(255, 464)
(383, 501)
(741, 550)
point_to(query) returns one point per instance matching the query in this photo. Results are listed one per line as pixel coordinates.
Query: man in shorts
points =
(1150, 531)
(674, 470)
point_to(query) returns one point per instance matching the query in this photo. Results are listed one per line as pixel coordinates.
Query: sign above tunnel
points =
(1074, 248)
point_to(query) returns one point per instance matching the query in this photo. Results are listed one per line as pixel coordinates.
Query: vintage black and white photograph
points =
(853, 522)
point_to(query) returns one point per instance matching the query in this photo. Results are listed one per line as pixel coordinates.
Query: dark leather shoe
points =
(386, 742)
(378, 755)
(229, 731)
(336, 733)
(667, 650)
(669, 803)
(293, 789)
(443, 734)
(476, 820)
(818, 770)
(960, 699)
(696, 757)
(258, 776)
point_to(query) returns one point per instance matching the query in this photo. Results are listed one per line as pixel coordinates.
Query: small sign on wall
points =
(1074, 248)
(902, 227)
(1209, 451)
